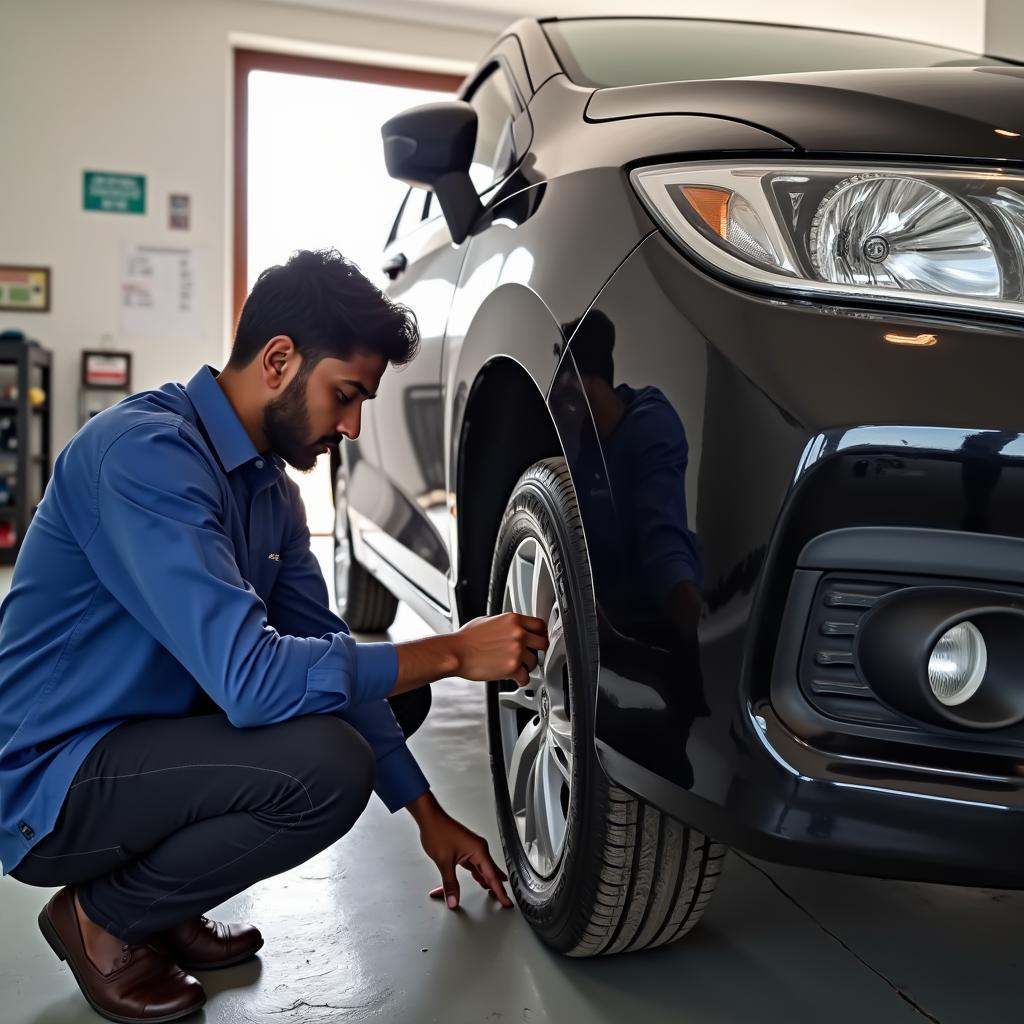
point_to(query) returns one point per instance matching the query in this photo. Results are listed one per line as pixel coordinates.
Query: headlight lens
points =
(896, 232)
(941, 237)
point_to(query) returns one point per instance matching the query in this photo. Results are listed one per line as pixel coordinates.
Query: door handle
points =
(395, 265)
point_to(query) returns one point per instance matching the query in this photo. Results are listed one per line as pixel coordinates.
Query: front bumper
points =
(786, 409)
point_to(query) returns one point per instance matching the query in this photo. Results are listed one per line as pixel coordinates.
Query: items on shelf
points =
(36, 396)
(25, 436)
(8, 434)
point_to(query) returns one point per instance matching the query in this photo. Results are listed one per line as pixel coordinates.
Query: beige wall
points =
(1004, 28)
(144, 87)
(949, 22)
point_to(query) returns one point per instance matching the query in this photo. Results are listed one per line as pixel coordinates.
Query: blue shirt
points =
(169, 556)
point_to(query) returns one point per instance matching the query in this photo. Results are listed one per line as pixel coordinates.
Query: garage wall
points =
(1004, 28)
(959, 23)
(142, 87)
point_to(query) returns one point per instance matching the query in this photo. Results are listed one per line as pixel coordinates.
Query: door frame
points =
(246, 60)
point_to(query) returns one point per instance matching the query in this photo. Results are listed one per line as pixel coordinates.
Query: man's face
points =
(320, 406)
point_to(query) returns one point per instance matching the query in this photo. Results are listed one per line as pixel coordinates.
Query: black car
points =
(721, 374)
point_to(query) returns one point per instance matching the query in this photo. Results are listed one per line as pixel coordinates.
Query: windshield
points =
(604, 52)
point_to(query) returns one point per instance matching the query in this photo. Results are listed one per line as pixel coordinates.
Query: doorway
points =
(310, 174)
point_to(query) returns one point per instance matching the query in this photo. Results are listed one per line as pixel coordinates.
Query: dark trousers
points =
(166, 818)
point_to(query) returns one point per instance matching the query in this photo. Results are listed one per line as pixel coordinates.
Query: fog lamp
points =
(957, 664)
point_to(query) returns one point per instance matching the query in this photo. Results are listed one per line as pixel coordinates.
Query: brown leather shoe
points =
(200, 944)
(127, 983)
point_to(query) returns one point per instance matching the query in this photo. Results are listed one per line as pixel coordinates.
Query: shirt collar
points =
(233, 445)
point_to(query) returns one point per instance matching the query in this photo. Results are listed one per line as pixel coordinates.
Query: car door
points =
(400, 492)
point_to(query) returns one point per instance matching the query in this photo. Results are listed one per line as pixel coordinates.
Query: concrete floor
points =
(351, 936)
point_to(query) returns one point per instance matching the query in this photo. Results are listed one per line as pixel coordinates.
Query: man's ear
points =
(278, 351)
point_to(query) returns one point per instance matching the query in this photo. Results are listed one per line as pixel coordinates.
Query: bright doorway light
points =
(316, 179)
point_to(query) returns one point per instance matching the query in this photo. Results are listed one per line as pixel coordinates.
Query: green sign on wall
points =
(113, 193)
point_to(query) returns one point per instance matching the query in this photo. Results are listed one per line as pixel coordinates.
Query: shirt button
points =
(259, 463)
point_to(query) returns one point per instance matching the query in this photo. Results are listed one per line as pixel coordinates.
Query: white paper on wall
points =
(162, 290)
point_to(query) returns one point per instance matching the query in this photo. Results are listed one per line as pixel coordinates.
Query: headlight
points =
(938, 237)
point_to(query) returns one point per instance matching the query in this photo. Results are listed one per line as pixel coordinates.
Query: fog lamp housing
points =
(951, 656)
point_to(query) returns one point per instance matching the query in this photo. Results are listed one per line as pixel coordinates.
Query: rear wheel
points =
(366, 605)
(594, 870)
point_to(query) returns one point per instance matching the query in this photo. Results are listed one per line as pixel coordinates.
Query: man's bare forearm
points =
(425, 661)
(489, 647)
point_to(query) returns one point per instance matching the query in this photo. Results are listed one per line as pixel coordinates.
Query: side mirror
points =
(432, 147)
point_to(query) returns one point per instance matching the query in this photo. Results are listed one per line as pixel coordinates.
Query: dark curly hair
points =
(326, 305)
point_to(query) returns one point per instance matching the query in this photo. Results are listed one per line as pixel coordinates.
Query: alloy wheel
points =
(536, 720)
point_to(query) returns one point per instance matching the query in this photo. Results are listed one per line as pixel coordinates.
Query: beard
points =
(286, 425)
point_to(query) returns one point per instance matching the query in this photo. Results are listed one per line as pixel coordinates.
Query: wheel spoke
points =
(521, 697)
(524, 569)
(547, 784)
(560, 732)
(542, 594)
(554, 662)
(521, 764)
(555, 619)
(529, 815)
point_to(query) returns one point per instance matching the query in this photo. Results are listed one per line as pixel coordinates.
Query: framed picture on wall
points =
(24, 289)
(105, 369)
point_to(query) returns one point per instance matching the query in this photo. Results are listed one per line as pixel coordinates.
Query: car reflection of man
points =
(647, 564)
(168, 563)
(980, 470)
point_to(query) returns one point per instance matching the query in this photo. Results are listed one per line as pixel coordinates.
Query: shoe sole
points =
(57, 945)
(221, 964)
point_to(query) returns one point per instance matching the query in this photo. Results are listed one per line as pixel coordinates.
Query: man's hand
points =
(449, 844)
(490, 647)
(500, 647)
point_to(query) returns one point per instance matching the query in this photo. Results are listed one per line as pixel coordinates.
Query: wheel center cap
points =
(545, 704)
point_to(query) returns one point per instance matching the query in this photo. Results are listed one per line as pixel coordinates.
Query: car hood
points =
(955, 113)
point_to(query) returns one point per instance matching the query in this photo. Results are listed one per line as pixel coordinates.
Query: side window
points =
(411, 214)
(496, 108)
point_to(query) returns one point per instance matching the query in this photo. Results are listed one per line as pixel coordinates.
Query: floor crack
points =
(796, 903)
(302, 1004)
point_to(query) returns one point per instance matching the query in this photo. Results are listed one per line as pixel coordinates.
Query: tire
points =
(366, 605)
(623, 876)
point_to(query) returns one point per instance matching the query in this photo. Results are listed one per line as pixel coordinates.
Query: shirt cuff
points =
(376, 671)
(399, 779)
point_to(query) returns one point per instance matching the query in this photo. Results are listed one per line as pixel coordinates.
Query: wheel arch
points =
(506, 428)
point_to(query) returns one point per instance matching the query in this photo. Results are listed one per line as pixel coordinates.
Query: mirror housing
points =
(432, 147)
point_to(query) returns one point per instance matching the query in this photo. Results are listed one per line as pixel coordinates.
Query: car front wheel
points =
(594, 870)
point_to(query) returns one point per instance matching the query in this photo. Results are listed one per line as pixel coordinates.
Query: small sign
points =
(179, 211)
(113, 193)
(102, 369)
(162, 291)
(25, 289)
